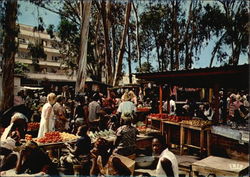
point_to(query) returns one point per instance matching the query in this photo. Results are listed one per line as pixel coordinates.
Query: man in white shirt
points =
(126, 106)
(94, 109)
(172, 105)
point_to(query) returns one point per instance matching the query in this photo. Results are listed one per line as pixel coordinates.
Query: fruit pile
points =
(67, 136)
(159, 116)
(33, 126)
(50, 137)
(197, 123)
(174, 118)
(143, 109)
(55, 137)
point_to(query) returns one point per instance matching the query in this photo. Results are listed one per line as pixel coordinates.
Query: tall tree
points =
(9, 50)
(230, 27)
(122, 45)
(85, 9)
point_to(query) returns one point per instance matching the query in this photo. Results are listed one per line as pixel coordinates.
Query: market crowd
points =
(78, 116)
(96, 112)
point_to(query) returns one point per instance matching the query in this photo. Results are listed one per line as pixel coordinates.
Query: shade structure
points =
(225, 77)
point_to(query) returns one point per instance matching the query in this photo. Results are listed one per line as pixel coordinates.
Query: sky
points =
(28, 15)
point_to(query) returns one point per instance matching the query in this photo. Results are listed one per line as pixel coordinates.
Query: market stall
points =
(212, 80)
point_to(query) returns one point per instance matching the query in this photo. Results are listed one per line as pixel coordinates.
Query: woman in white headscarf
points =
(47, 122)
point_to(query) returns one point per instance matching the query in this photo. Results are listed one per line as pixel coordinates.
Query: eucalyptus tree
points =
(228, 21)
(10, 32)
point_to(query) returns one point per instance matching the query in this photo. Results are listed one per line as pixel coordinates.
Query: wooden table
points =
(202, 131)
(167, 127)
(220, 167)
(156, 123)
(144, 141)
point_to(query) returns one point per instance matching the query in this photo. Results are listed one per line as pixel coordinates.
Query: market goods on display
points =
(159, 116)
(145, 130)
(106, 134)
(55, 137)
(143, 109)
(172, 118)
(197, 122)
(33, 126)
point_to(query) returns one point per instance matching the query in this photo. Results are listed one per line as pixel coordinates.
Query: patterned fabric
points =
(127, 142)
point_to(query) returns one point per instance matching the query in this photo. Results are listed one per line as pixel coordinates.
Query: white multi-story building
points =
(50, 68)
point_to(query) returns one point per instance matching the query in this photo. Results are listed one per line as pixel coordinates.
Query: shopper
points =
(47, 122)
(126, 106)
(94, 110)
(60, 114)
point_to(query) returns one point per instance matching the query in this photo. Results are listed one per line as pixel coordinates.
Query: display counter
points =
(226, 131)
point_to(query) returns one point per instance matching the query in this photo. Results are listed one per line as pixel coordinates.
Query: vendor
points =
(105, 163)
(165, 161)
(125, 142)
(18, 123)
(80, 153)
(167, 164)
(7, 151)
(33, 160)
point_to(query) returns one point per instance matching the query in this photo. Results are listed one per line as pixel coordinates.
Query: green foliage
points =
(20, 68)
(50, 31)
(36, 50)
(145, 68)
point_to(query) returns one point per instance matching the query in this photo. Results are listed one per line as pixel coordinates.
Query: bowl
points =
(144, 161)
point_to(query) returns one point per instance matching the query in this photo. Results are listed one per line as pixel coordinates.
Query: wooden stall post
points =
(216, 103)
(160, 105)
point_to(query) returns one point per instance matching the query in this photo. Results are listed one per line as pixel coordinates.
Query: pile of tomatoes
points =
(143, 109)
(33, 126)
(174, 118)
(159, 116)
(50, 137)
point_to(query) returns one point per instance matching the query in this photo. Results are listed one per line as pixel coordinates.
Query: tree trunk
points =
(113, 48)
(9, 51)
(105, 12)
(129, 60)
(122, 45)
(158, 54)
(81, 74)
(217, 46)
(137, 36)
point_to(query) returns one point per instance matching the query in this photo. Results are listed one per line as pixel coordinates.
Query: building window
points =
(55, 58)
(21, 41)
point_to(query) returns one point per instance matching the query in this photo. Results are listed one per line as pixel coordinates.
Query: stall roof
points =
(227, 77)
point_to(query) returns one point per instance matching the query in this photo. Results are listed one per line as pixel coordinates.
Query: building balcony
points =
(51, 77)
(46, 49)
(41, 63)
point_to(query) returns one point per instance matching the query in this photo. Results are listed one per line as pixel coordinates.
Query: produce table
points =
(220, 167)
(172, 129)
(202, 131)
(155, 123)
(143, 141)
